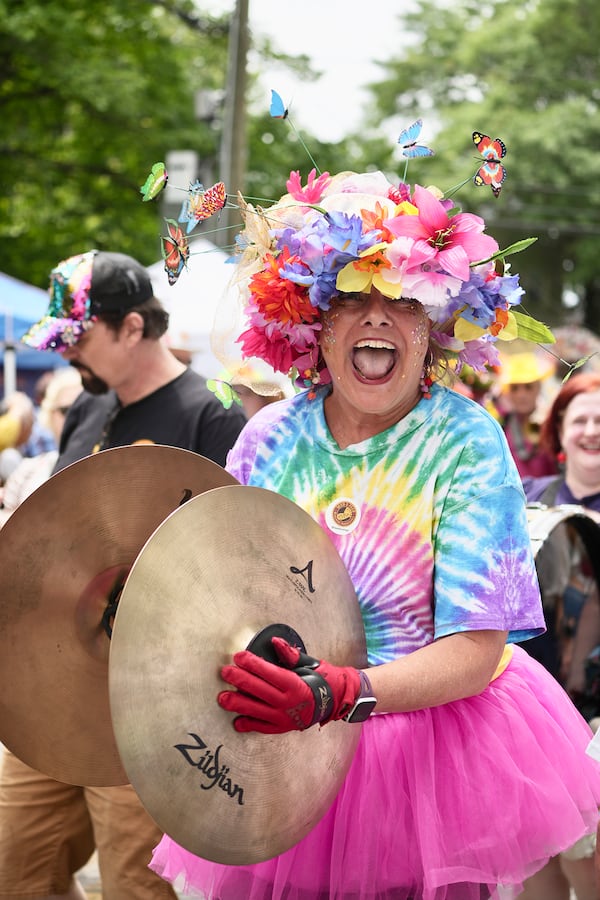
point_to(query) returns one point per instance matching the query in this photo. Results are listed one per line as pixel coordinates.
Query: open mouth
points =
(374, 360)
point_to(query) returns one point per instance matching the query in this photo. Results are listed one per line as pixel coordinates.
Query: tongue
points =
(373, 363)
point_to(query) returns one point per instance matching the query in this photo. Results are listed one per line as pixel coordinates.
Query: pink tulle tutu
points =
(440, 804)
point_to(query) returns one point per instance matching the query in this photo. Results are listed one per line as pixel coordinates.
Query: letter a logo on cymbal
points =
(306, 572)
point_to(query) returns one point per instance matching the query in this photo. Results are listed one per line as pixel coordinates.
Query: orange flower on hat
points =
(374, 220)
(279, 299)
(500, 322)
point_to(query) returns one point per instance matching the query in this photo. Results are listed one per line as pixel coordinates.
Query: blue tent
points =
(21, 305)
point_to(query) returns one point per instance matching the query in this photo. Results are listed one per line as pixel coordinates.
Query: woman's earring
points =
(426, 379)
(561, 457)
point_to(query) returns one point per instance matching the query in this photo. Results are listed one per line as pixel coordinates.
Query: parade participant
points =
(112, 334)
(471, 768)
(106, 322)
(16, 420)
(521, 379)
(63, 386)
(571, 434)
(256, 385)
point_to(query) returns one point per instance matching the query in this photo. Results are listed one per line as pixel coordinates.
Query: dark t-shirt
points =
(182, 413)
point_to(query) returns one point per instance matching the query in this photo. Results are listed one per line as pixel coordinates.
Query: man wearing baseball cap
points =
(104, 319)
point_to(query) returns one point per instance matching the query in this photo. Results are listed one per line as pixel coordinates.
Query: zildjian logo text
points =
(206, 761)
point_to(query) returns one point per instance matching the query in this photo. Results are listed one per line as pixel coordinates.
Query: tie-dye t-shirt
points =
(428, 516)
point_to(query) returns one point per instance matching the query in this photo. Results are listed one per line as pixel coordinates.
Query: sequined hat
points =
(81, 288)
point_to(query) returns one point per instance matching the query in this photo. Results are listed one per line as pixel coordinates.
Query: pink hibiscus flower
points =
(457, 240)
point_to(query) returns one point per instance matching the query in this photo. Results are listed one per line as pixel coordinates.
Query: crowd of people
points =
(471, 778)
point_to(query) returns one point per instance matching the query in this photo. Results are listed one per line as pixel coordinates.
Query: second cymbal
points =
(63, 552)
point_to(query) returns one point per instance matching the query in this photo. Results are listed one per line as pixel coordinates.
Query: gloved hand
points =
(274, 699)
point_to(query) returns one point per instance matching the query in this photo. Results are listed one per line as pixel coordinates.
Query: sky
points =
(342, 42)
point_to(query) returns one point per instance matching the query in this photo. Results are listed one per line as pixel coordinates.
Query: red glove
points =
(274, 699)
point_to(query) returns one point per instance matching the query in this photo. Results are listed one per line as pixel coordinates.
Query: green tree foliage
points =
(528, 72)
(91, 95)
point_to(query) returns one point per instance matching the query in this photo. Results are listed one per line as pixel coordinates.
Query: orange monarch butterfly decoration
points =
(175, 251)
(492, 172)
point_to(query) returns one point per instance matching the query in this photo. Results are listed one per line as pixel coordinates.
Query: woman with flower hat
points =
(471, 768)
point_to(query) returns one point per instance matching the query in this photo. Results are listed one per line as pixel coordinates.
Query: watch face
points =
(362, 710)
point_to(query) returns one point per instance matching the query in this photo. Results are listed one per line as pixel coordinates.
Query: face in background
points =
(580, 438)
(523, 398)
(374, 348)
(63, 401)
(102, 356)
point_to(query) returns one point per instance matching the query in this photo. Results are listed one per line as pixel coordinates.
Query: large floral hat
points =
(345, 233)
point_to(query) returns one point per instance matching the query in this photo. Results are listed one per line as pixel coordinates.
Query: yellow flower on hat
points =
(372, 268)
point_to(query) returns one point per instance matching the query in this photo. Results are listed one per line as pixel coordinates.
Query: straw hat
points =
(524, 368)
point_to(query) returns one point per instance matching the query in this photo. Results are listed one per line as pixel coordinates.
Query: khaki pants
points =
(48, 831)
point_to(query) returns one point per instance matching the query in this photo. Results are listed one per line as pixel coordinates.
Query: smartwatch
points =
(364, 704)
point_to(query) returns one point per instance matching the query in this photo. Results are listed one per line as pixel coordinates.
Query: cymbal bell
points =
(64, 555)
(215, 573)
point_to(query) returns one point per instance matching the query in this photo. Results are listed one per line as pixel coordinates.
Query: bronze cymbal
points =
(62, 552)
(216, 572)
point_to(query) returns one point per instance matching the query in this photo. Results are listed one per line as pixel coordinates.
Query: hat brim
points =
(56, 333)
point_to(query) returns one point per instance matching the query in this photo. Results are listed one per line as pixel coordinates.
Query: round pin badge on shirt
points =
(342, 516)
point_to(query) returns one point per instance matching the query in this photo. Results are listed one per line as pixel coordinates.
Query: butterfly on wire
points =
(155, 182)
(409, 141)
(200, 204)
(278, 109)
(491, 172)
(175, 250)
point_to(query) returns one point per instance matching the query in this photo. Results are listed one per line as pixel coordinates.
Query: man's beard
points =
(91, 383)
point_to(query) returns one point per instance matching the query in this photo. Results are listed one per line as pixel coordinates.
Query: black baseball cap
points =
(81, 288)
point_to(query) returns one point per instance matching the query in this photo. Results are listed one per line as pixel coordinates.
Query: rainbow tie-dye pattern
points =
(442, 542)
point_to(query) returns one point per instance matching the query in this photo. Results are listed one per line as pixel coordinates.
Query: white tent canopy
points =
(204, 301)
(193, 303)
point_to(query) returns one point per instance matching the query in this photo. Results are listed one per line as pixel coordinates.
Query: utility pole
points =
(233, 139)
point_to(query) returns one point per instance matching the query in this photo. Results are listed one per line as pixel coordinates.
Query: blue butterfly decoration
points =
(186, 214)
(408, 140)
(278, 108)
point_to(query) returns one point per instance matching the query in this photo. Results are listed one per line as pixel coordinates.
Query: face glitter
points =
(327, 331)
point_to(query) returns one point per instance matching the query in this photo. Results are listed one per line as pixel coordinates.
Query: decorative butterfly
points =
(224, 392)
(408, 139)
(201, 204)
(191, 202)
(213, 201)
(155, 182)
(278, 108)
(175, 251)
(492, 171)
